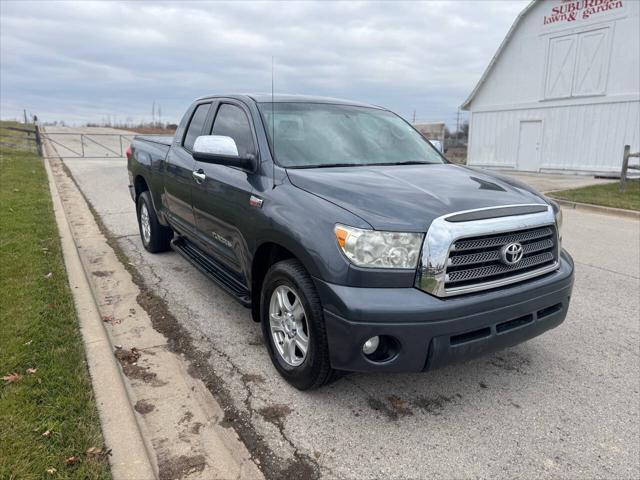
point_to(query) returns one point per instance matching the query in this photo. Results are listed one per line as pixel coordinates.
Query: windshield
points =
(324, 135)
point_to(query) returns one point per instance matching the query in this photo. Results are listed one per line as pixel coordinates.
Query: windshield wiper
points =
(409, 163)
(329, 165)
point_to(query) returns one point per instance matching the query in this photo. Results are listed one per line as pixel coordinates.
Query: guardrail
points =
(626, 167)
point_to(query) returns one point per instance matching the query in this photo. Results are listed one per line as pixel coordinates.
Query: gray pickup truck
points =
(354, 242)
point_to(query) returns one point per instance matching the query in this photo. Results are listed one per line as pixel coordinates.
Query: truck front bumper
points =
(428, 332)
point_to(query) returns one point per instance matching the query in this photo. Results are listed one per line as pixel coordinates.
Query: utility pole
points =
(153, 113)
(414, 117)
(458, 124)
(25, 115)
(160, 115)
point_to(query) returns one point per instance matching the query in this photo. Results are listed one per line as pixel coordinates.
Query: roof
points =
(503, 45)
(290, 98)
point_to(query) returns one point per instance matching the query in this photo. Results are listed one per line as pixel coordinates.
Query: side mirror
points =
(221, 150)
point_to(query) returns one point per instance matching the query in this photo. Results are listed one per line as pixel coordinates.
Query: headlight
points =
(374, 249)
(558, 214)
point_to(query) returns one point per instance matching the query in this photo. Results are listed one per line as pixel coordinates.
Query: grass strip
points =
(49, 424)
(607, 195)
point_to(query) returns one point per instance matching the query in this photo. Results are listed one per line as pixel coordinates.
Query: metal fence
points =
(626, 167)
(20, 141)
(88, 145)
(69, 145)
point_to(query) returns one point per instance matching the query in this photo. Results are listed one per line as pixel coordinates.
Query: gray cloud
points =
(82, 61)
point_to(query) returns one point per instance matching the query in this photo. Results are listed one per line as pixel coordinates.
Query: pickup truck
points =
(354, 242)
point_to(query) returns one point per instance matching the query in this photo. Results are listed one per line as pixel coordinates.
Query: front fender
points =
(304, 224)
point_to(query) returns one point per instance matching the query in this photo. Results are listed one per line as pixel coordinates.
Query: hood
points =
(410, 197)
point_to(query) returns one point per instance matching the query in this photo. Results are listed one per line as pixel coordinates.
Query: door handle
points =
(199, 176)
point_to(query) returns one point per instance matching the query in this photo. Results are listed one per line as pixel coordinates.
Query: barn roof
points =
(503, 45)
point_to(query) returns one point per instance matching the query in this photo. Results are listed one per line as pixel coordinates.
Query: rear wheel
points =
(293, 326)
(155, 237)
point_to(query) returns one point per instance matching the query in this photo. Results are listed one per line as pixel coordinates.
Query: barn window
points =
(577, 64)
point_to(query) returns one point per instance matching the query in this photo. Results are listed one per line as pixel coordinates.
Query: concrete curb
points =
(620, 212)
(130, 458)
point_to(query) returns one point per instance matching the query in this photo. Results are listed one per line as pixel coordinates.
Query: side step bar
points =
(212, 269)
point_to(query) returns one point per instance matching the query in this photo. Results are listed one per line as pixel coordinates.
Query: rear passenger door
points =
(179, 178)
(221, 201)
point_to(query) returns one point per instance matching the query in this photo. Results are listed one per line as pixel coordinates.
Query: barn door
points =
(593, 62)
(578, 64)
(560, 66)
(529, 146)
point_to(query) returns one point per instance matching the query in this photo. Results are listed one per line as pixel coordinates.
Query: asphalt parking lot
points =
(565, 404)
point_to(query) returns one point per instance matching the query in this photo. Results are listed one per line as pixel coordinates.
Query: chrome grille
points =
(477, 260)
(493, 255)
(500, 240)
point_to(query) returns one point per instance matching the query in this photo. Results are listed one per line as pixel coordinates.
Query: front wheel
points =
(293, 326)
(155, 237)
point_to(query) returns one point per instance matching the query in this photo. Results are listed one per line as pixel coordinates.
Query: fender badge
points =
(255, 201)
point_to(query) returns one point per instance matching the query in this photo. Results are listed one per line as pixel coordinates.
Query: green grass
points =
(607, 195)
(39, 329)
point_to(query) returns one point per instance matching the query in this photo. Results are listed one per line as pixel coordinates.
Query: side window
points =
(232, 122)
(195, 126)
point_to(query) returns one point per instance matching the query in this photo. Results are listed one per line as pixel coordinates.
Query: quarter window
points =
(232, 122)
(195, 127)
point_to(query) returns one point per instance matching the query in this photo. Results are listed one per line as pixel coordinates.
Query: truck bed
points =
(166, 140)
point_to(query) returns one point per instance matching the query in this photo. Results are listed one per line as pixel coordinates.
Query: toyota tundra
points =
(353, 241)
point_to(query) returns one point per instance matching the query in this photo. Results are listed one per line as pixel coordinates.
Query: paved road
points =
(562, 405)
(547, 182)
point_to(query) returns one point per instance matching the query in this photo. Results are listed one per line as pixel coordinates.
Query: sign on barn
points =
(571, 10)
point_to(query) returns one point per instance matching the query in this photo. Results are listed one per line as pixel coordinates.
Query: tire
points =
(290, 277)
(155, 238)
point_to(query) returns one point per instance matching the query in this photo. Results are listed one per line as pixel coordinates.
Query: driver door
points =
(221, 199)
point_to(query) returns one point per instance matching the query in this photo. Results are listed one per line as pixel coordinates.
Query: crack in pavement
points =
(119, 237)
(180, 341)
(607, 270)
(249, 395)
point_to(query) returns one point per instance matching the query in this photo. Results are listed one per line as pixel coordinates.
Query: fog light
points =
(371, 345)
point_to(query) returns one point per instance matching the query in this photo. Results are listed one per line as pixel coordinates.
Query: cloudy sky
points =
(85, 61)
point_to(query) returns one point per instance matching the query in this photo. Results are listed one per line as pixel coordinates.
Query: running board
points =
(212, 269)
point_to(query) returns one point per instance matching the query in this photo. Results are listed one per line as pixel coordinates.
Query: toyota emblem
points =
(511, 253)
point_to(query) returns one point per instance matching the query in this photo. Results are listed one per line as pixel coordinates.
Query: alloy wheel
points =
(288, 326)
(145, 223)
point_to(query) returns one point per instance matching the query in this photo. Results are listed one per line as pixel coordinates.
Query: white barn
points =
(562, 93)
